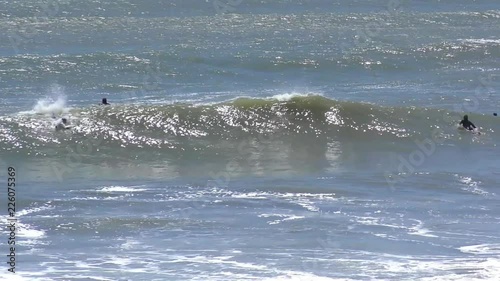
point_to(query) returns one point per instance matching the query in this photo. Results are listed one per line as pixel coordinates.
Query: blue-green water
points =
(252, 140)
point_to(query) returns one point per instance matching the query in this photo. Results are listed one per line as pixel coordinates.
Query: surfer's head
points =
(104, 101)
(64, 120)
(466, 117)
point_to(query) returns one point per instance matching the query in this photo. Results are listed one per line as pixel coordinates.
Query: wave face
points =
(285, 129)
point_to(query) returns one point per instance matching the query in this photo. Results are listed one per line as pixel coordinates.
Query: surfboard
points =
(474, 132)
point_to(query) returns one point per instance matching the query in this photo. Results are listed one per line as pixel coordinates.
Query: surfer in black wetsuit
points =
(105, 101)
(467, 124)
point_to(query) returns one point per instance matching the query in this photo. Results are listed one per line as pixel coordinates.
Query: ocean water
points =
(251, 140)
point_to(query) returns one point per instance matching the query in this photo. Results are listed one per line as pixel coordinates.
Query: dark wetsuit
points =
(467, 124)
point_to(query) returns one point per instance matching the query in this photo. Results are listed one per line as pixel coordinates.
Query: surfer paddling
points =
(467, 124)
(104, 101)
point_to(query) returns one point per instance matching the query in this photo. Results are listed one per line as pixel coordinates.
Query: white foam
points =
(481, 249)
(27, 232)
(417, 229)
(427, 268)
(90, 198)
(301, 276)
(219, 260)
(306, 204)
(130, 244)
(420, 230)
(289, 96)
(376, 222)
(483, 41)
(250, 195)
(49, 106)
(289, 218)
(483, 270)
(33, 210)
(74, 276)
(285, 217)
(472, 186)
(122, 189)
(120, 261)
(266, 195)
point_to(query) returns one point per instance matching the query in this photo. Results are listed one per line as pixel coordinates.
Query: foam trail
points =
(54, 103)
(289, 96)
(49, 106)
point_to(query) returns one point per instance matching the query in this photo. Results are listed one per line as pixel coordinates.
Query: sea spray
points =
(50, 106)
